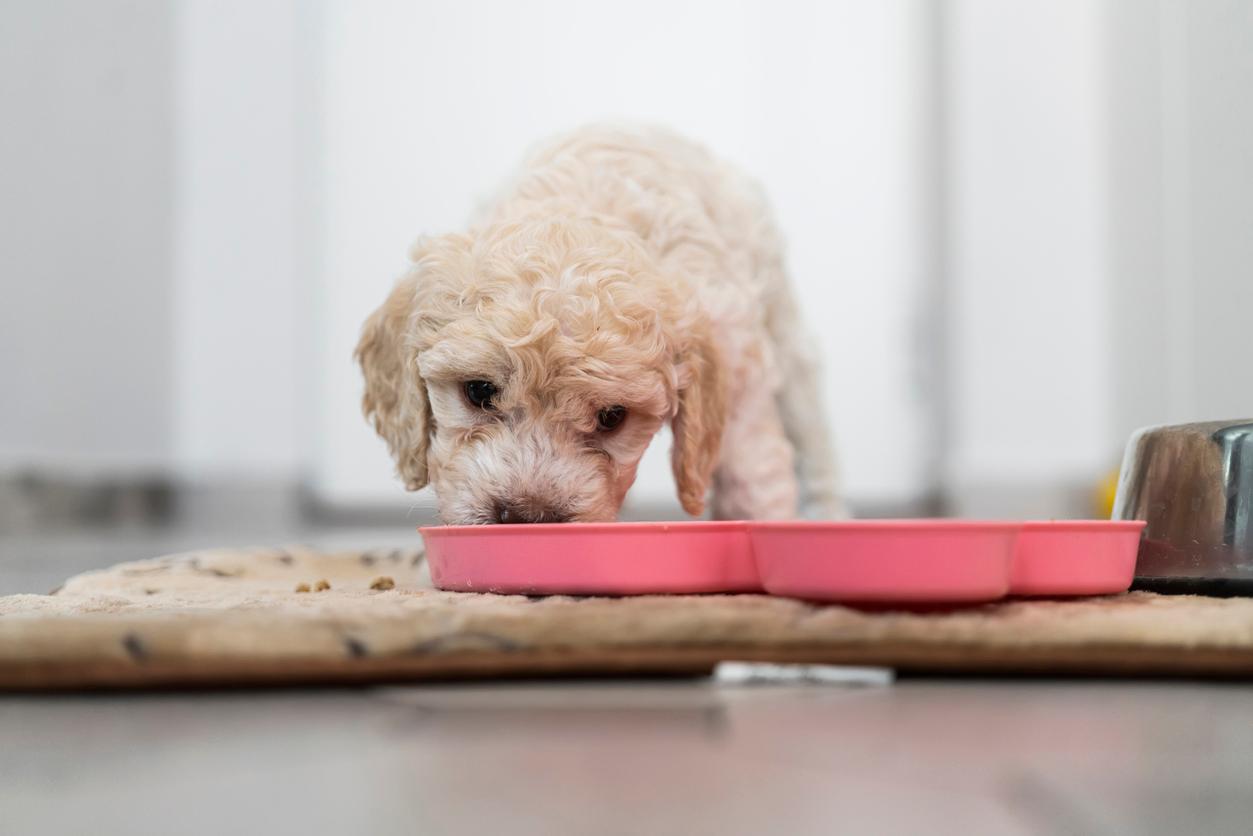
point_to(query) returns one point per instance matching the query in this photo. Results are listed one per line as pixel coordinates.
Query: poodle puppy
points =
(625, 279)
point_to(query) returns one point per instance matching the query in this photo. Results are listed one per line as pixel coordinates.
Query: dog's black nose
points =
(516, 513)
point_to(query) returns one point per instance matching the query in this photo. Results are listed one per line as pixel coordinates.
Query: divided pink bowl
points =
(889, 561)
(592, 558)
(1076, 557)
(858, 561)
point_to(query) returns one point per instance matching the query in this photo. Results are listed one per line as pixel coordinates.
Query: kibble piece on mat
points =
(383, 583)
(302, 587)
(322, 585)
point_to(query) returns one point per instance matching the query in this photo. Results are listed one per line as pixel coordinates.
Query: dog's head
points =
(523, 369)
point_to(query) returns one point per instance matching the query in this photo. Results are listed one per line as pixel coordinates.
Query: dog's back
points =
(707, 224)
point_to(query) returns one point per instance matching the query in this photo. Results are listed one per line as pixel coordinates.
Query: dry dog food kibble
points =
(321, 586)
(383, 583)
(302, 587)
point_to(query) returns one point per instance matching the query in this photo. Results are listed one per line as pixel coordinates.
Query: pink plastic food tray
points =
(886, 560)
(924, 561)
(593, 558)
(1075, 557)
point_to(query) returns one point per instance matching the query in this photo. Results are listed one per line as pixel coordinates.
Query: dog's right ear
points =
(395, 398)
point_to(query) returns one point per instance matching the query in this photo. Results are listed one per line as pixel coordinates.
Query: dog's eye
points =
(610, 418)
(480, 393)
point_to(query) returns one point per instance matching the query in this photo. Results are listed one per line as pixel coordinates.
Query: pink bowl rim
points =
(583, 528)
(910, 525)
(741, 526)
(1084, 525)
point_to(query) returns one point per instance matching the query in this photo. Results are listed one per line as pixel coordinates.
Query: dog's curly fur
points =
(624, 266)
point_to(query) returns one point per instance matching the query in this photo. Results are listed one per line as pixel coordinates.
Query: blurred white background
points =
(1020, 228)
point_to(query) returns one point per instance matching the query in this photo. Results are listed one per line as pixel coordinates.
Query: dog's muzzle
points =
(527, 511)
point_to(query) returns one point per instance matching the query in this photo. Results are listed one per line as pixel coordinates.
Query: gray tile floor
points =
(612, 757)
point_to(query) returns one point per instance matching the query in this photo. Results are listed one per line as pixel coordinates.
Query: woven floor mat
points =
(235, 617)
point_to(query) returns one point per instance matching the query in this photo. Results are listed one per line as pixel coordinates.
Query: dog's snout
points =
(511, 513)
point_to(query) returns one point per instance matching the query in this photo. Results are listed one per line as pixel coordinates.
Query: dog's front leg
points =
(756, 474)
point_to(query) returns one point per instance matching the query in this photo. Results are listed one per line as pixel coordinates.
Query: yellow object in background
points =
(1105, 493)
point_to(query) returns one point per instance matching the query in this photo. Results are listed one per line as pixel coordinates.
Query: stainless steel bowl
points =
(1193, 485)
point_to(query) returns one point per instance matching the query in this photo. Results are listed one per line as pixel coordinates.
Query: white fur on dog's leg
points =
(815, 461)
(756, 478)
(819, 484)
(803, 416)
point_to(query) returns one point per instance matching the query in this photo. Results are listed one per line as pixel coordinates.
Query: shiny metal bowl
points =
(1193, 486)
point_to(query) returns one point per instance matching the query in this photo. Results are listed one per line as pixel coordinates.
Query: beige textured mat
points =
(234, 617)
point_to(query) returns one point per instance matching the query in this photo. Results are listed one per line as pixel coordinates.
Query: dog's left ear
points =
(699, 422)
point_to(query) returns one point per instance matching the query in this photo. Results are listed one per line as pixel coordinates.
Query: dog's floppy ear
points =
(698, 424)
(395, 398)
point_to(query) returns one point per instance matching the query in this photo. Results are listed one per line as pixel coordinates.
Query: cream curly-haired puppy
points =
(625, 279)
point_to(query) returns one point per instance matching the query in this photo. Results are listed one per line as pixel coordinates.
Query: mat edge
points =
(1110, 661)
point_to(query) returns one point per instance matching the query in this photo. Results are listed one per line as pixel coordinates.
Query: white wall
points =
(1149, 387)
(428, 106)
(1100, 195)
(242, 293)
(1184, 270)
(1027, 194)
(1218, 201)
(85, 231)
(154, 319)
